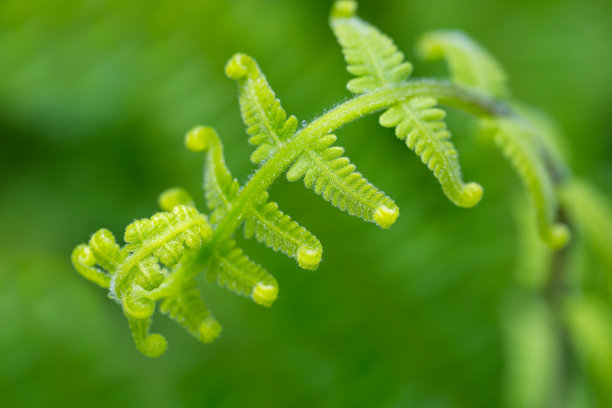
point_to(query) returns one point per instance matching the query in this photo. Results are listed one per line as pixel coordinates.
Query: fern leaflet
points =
(376, 61)
(470, 64)
(593, 214)
(230, 267)
(278, 231)
(187, 308)
(331, 175)
(517, 142)
(266, 120)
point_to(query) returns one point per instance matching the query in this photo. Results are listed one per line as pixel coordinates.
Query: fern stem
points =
(445, 92)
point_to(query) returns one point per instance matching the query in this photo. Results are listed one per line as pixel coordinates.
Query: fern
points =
(230, 267)
(332, 176)
(517, 143)
(470, 64)
(266, 121)
(164, 254)
(377, 63)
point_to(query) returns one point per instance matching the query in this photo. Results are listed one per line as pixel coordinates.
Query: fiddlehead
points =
(163, 254)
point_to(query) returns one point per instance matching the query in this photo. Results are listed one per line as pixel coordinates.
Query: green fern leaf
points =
(188, 309)
(163, 238)
(219, 185)
(470, 63)
(370, 55)
(231, 268)
(376, 61)
(518, 144)
(278, 231)
(331, 175)
(84, 262)
(593, 214)
(266, 120)
(421, 125)
(151, 345)
(172, 197)
(550, 143)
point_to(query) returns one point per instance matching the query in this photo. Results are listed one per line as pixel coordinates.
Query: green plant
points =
(164, 254)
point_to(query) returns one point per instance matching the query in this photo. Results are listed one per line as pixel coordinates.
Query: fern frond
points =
(332, 176)
(84, 262)
(517, 143)
(220, 187)
(421, 125)
(593, 214)
(187, 307)
(172, 197)
(534, 257)
(377, 63)
(278, 231)
(370, 55)
(266, 120)
(549, 140)
(151, 345)
(230, 267)
(470, 64)
(163, 238)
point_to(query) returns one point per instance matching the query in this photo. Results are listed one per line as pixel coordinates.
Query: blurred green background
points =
(95, 97)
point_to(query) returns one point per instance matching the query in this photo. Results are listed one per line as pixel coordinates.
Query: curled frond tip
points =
(264, 294)
(309, 258)
(344, 9)
(385, 216)
(196, 139)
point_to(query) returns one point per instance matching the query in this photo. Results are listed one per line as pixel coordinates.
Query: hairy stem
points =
(445, 92)
(355, 108)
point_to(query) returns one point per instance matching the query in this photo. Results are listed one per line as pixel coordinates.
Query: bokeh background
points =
(95, 97)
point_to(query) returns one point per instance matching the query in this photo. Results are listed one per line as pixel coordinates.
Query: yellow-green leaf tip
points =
(83, 254)
(196, 139)
(344, 9)
(309, 258)
(558, 236)
(154, 346)
(173, 197)
(470, 195)
(264, 294)
(209, 329)
(237, 67)
(385, 216)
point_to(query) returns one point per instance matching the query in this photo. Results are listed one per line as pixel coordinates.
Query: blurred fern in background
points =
(94, 98)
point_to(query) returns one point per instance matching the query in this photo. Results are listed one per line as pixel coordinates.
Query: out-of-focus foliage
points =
(94, 100)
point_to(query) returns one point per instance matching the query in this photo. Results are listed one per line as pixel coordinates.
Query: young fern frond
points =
(526, 146)
(278, 231)
(517, 143)
(187, 308)
(331, 175)
(220, 187)
(550, 144)
(163, 254)
(266, 120)
(230, 267)
(152, 246)
(151, 345)
(377, 63)
(422, 127)
(591, 211)
(469, 63)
